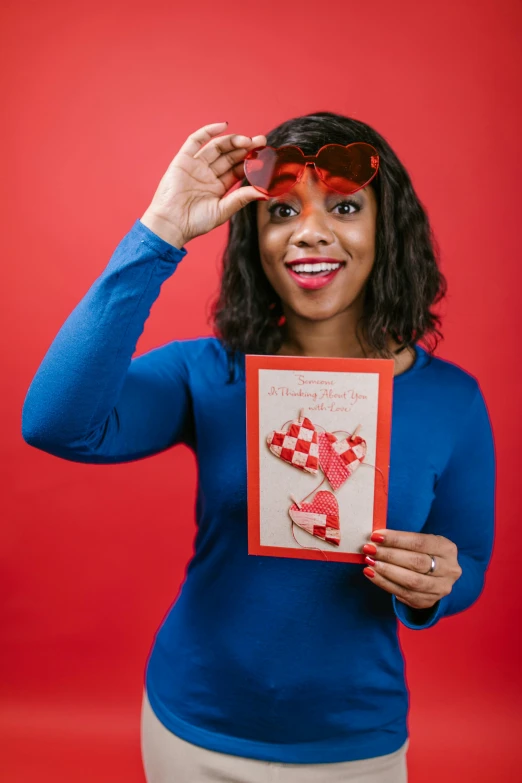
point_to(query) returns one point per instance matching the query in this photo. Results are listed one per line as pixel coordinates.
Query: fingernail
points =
(369, 572)
(370, 549)
(377, 537)
(370, 560)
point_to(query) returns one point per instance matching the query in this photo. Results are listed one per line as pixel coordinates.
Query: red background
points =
(98, 98)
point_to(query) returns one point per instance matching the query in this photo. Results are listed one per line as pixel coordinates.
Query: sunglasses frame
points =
(310, 160)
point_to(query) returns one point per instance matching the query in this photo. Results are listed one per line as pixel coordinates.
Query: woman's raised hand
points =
(190, 199)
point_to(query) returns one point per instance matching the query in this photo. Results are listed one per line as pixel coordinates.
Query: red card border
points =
(384, 368)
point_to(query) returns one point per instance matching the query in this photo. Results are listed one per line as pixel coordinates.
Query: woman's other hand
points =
(190, 199)
(400, 563)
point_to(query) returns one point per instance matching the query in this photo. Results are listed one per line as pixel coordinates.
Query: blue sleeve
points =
(463, 510)
(89, 400)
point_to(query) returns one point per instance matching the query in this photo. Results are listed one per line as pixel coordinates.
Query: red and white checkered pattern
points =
(298, 445)
(320, 518)
(339, 459)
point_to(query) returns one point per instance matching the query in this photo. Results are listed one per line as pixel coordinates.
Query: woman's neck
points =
(325, 338)
(335, 337)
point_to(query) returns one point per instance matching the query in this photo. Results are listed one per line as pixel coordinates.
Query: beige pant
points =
(169, 759)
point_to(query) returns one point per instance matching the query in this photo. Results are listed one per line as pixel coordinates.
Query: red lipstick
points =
(314, 273)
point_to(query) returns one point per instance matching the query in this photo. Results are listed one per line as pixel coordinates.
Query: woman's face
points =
(312, 221)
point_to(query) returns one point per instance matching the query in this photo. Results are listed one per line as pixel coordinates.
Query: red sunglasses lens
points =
(273, 171)
(347, 169)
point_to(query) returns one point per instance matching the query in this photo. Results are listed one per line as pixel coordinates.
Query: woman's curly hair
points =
(405, 280)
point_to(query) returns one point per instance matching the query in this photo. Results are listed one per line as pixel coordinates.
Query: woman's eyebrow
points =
(328, 194)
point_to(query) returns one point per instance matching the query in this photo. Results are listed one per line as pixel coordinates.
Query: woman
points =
(278, 668)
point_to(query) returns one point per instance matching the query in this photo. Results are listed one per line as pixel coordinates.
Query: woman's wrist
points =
(165, 230)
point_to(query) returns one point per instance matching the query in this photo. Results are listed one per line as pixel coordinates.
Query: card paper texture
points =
(318, 447)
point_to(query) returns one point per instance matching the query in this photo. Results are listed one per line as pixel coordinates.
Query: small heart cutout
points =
(320, 518)
(339, 459)
(298, 446)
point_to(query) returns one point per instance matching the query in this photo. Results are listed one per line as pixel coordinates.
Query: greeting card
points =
(318, 447)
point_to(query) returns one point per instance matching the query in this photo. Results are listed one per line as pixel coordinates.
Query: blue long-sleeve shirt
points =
(281, 659)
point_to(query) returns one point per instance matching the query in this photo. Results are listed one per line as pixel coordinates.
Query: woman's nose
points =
(313, 217)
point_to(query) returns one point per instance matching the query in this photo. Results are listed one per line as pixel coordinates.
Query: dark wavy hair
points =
(405, 280)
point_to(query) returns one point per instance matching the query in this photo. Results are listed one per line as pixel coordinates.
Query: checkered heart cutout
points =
(302, 447)
(320, 518)
(298, 446)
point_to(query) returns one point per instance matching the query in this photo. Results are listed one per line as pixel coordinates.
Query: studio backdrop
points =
(98, 98)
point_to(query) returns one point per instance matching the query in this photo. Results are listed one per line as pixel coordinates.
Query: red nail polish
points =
(370, 560)
(369, 549)
(369, 572)
(377, 537)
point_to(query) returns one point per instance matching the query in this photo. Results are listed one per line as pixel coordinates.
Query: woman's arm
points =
(463, 511)
(89, 400)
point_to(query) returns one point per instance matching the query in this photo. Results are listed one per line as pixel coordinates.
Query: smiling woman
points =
(279, 662)
(377, 302)
(318, 233)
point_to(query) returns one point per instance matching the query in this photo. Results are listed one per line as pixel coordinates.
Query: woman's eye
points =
(353, 204)
(344, 204)
(275, 207)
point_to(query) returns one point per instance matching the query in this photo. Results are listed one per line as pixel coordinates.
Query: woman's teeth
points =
(314, 268)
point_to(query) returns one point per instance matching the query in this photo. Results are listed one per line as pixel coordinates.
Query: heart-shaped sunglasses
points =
(275, 170)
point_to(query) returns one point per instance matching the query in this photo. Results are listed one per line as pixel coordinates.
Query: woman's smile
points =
(314, 272)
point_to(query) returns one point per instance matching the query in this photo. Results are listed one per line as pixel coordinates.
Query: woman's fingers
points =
(236, 200)
(233, 175)
(229, 168)
(221, 146)
(218, 151)
(222, 154)
(411, 580)
(227, 161)
(201, 136)
(414, 561)
(230, 159)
